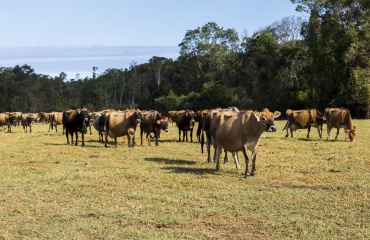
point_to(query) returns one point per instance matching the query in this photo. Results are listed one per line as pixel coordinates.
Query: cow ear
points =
(158, 122)
(255, 113)
(277, 114)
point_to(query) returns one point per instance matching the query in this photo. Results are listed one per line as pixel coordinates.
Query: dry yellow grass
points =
(304, 189)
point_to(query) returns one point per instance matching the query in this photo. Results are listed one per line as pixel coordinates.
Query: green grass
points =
(304, 189)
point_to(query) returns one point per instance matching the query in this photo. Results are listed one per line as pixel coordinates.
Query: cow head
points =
(137, 115)
(163, 123)
(266, 119)
(351, 134)
(190, 118)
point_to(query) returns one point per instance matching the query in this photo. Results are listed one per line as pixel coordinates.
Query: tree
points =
(337, 36)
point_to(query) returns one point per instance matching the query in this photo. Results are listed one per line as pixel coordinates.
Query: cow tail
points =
(286, 124)
(202, 140)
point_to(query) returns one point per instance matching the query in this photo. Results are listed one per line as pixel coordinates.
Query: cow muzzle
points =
(272, 128)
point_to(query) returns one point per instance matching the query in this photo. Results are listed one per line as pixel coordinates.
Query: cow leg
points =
(244, 149)
(141, 136)
(156, 135)
(191, 135)
(185, 134)
(291, 132)
(115, 141)
(336, 136)
(328, 131)
(308, 131)
(217, 157)
(254, 157)
(236, 160)
(67, 137)
(286, 127)
(215, 152)
(208, 146)
(72, 141)
(82, 139)
(179, 135)
(106, 138)
(226, 158)
(318, 130)
(148, 137)
(77, 137)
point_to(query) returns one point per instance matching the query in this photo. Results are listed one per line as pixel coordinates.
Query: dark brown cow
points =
(122, 123)
(74, 122)
(173, 114)
(185, 122)
(56, 118)
(304, 119)
(201, 118)
(242, 133)
(152, 122)
(26, 121)
(340, 118)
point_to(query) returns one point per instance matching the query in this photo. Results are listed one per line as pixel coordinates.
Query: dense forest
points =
(315, 62)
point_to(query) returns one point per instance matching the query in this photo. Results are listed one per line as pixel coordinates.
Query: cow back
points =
(339, 117)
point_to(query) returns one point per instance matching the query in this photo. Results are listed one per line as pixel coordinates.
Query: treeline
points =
(322, 61)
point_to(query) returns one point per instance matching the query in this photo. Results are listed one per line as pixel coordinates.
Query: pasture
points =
(304, 188)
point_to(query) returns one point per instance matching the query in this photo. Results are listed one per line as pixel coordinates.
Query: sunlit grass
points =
(304, 189)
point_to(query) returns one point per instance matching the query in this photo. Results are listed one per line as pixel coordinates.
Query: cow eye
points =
(263, 118)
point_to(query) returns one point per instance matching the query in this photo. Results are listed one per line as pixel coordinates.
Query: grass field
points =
(304, 188)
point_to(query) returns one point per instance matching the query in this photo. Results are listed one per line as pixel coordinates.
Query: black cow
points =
(152, 122)
(74, 122)
(185, 122)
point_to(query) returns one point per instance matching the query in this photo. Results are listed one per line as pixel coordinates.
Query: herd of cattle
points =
(230, 129)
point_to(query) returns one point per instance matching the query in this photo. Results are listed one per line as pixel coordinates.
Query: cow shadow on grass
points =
(73, 145)
(181, 169)
(196, 171)
(170, 161)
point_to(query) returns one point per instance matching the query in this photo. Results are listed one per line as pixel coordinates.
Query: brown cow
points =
(152, 122)
(122, 123)
(242, 133)
(99, 124)
(56, 118)
(222, 116)
(206, 128)
(302, 119)
(26, 121)
(185, 122)
(45, 117)
(340, 118)
(8, 119)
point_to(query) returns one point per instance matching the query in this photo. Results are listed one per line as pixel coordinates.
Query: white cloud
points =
(53, 60)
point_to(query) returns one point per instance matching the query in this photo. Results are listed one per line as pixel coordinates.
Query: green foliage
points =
(169, 102)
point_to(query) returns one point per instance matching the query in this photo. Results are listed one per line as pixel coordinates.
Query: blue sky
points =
(72, 36)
